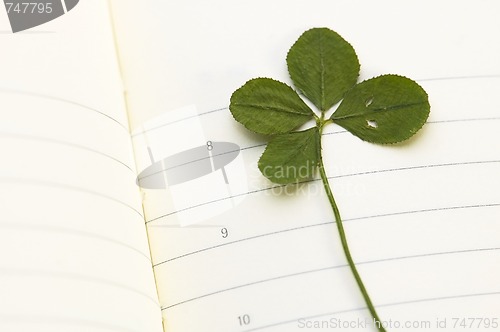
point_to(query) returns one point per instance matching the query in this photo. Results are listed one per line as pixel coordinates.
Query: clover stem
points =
(343, 238)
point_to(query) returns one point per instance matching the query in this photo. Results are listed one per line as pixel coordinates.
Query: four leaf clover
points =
(324, 69)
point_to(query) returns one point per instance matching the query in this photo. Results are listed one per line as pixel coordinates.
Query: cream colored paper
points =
(74, 254)
(421, 217)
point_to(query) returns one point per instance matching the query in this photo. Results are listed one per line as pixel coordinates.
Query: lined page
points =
(233, 252)
(74, 251)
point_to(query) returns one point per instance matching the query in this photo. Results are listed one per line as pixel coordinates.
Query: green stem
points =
(343, 238)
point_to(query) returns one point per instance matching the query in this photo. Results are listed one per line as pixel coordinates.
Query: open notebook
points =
(92, 99)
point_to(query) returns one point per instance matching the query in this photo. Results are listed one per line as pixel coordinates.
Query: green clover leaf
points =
(283, 165)
(266, 106)
(323, 66)
(385, 109)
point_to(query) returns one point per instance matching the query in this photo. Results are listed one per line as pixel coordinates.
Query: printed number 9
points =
(224, 232)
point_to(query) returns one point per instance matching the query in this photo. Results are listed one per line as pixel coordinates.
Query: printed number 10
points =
(244, 320)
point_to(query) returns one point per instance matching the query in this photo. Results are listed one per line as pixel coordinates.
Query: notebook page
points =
(421, 217)
(74, 251)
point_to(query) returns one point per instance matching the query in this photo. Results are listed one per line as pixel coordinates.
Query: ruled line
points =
(336, 132)
(68, 187)
(68, 231)
(31, 273)
(473, 77)
(67, 101)
(65, 321)
(227, 107)
(323, 134)
(262, 145)
(61, 142)
(142, 132)
(424, 300)
(330, 177)
(292, 275)
(343, 131)
(324, 224)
